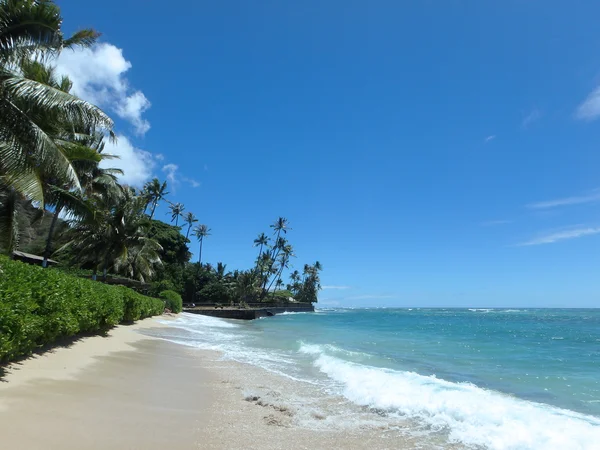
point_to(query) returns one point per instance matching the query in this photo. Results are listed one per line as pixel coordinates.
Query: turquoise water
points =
(492, 378)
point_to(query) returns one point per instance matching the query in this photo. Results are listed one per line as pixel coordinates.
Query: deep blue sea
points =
(487, 378)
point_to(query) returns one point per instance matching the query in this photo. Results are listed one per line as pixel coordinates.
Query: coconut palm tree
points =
(118, 238)
(28, 29)
(176, 211)
(281, 224)
(284, 258)
(260, 241)
(201, 231)
(15, 216)
(294, 286)
(190, 219)
(81, 146)
(156, 192)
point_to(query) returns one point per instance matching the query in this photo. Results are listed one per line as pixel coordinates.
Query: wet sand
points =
(129, 391)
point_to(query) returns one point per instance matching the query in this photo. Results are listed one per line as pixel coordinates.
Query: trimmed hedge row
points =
(172, 300)
(39, 306)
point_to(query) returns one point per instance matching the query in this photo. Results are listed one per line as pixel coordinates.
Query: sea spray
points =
(469, 414)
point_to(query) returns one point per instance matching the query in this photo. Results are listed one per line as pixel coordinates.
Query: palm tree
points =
(284, 258)
(190, 219)
(281, 224)
(176, 211)
(82, 148)
(261, 241)
(33, 29)
(156, 192)
(294, 286)
(118, 238)
(14, 217)
(201, 231)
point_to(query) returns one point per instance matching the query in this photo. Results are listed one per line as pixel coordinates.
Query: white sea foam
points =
(197, 320)
(469, 414)
(210, 333)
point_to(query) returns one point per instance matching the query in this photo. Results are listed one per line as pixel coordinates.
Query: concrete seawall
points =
(249, 313)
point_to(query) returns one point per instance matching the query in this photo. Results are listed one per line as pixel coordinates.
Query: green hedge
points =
(173, 301)
(39, 306)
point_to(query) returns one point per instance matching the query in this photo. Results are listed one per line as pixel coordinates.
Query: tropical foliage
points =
(40, 306)
(60, 198)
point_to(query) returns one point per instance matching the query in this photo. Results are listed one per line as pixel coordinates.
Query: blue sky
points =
(427, 153)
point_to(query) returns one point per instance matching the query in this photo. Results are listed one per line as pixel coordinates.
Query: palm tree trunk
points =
(259, 255)
(188, 231)
(48, 248)
(153, 209)
(176, 220)
(200, 253)
(94, 277)
(277, 277)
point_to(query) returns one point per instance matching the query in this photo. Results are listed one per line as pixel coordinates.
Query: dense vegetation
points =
(53, 165)
(172, 300)
(40, 306)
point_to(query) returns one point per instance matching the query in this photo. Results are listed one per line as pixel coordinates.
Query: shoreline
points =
(129, 390)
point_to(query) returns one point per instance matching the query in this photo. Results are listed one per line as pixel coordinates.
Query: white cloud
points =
(593, 196)
(137, 164)
(590, 108)
(171, 171)
(132, 108)
(532, 117)
(98, 76)
(193, 183)
(563, 235)
(335, 287)
(489, 138)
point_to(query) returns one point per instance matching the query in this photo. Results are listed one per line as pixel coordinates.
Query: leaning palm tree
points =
(33, 29)
(261, 241)
(201, 231)
(156, 192)
(80, 144)
(176, 211)
(279, 226)
(284, 258)
(190, 219)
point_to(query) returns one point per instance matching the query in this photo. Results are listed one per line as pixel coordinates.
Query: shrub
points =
(158, 287)
(40, 306)
(172, 301)
(138, 306)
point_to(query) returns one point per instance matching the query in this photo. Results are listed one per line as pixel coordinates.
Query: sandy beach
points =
(129, 391)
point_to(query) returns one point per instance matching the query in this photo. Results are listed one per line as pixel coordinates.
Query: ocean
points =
(478, 378)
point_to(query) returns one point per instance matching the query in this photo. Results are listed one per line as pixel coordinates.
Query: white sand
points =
(128, 391)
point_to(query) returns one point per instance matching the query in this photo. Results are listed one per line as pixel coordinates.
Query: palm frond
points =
(52, 100)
